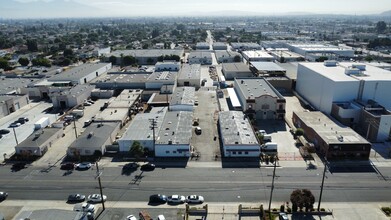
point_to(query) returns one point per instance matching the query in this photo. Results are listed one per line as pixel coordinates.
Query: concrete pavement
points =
(225, 211)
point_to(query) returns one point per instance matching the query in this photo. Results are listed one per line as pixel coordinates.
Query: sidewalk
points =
(226, 211)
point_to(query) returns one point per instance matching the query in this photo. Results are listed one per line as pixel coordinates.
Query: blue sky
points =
(198, 7)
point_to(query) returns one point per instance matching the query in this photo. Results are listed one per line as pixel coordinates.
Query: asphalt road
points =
(215, 184)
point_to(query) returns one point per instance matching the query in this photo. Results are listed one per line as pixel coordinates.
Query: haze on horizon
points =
(131, 8)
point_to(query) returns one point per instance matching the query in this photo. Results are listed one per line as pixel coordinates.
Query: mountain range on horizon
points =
(12, 9)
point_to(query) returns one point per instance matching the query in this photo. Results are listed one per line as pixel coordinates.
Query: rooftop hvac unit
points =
(330, 63)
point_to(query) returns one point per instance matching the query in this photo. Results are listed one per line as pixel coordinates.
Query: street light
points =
(321, 187)
(16, 139)
(272, 188)
(98, 174)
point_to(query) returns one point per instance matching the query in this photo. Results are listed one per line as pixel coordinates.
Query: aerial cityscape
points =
(184, 110)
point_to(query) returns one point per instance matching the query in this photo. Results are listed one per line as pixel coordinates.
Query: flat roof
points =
(183, 96)
(157, 98)
(140, 126)
(267, 66)
(101, 132)
(38, 137)
(256, 87)
(236, 129)
(78, 72)
(176, 128)
(9, 85)
(285, 53)
(146, 53)
(164, 76)
(226, 53)
(246, 45)
(202, 44)
(122, 78)
(75, 90)
(190, 71)
(257, 54)
(126, 99)
(112, 114)
(235, 67)
(234, 98)
(337, 72)
(328, 130)
(200, 54)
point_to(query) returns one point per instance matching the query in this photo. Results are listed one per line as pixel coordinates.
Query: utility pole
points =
(271, 191)
(321, 187)
(74, 126)
(152, 127)
(168, 104)
(16, 139)
(98, 174)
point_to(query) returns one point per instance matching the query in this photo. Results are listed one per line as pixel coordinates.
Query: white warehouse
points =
(321, 84)
(190, 75)
(237, 136)
(182, 99)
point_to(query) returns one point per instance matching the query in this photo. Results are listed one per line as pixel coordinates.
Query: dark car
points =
(4, 131)
(76, 198)
(18, 166)
(3, 196)
(158, 198)
(68, 166)
(148, 167)
(22, 120)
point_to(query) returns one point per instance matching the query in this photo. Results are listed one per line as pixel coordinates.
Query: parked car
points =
(148, 167)
(283, 216)
(96, 198)
(131, 217)
(84, 207)
(83, 166)
(161, 217)
(18, 166)
(3, 196)
(198, 130)
(4, 131)
(176, 199)
(196, 102)
(76, 198)
(195, 199)
(67, 166)
(129, 167)
(15, 124)
(262, 132)
(158, 198)
(23, 120)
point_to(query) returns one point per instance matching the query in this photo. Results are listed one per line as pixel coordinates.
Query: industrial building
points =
(259, 99)
(226, 56)
(200, 57)
(257, 55)
(11, 103)
(331, 139)
(237, 136)
(140, 130)
(219, 46)
(321, 84)
(94, 139)
(81, 74)
(115, 81)
(71, 97)
(306, 49)
(173, 139)
(144, 57)
(190, 75)
(183, 99)
(39, 142)
(246, 46)
(235, 70)
(167, 66)
(284, 55)
(267, 69)
(159, 79)
(202, 46)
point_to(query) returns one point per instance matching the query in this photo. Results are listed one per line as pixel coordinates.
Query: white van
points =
(267, 138)
(161, 217)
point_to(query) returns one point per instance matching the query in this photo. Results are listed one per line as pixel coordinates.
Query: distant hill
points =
(386, 13)
(42, 9)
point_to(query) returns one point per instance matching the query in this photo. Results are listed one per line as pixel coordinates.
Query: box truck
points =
(41, 123)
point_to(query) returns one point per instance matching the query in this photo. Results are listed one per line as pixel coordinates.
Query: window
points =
(87, 151)
(240, 152)
(234, 152)
(246, 152)
(174, 152)
(167, 152)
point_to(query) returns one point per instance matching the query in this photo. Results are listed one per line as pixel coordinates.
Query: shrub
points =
(322, 209)
(274, 210)
(282, 208)
(289, 210)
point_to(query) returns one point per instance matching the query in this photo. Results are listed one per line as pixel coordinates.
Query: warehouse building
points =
(200, 57)
(183, 99)
(219, 46)
(330, 139)
(159, 79)
(235, 70)
(306, 49)
(257, 55)
(81, 74)
(71, 97)
(190, 75)
(167, 66)
(237, 136)
(144, 57)
(226, 56)
(267, 69)
(246, 46)
(121, 81)
(202, 46)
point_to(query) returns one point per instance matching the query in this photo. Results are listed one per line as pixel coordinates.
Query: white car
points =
(131, 217)
(161, 217)
(96, 198)
(176, 199)
(195, 199)
(262, 132)
(84, 165)
(84, 207)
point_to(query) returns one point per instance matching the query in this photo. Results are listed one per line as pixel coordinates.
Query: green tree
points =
(113, 59)
(301, 198)
(68, 53)
(237, 58)
(4, 64)
(381, 27)
(41, 62)
(66, 62)
(24, 61)
(137, 149)
(32, 45)
(155, 33)
(299, 132)
(128, 60)
(368, 58)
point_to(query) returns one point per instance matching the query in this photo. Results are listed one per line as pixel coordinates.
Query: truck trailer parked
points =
(41, 123)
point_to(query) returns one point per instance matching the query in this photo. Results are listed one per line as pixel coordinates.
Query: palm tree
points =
(137, 149)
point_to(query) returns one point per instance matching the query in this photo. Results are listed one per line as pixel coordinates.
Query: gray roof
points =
(226, 53)
(8, 85)
(202, 44)
(78, 72)
(139, 128)
(176, 128)
(183, 96)
(200, 54)
(75, 90)
(51, 214)
(246, 45)
(256, 87)
(123, 78)
(164, 76)
(145, 53)
(267, 66)
(192, 71)
(101, 132)
(219, 44)
(236, 129)
(37, 138)
(126, 98)
(330, 131)
(235, 67)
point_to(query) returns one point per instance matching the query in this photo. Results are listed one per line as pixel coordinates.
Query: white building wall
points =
(378, 90)
(230, 149)
(166, 150)
(125, 145)
(384, 128)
